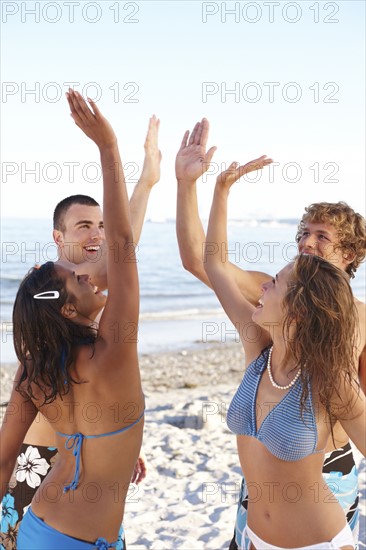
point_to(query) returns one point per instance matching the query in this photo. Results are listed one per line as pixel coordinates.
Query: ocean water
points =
(177, 310)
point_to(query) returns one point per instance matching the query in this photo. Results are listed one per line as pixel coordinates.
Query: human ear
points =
(58, 237)
(68, 311)
(348, 256)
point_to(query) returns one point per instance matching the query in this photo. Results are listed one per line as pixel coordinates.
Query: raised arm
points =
(150, 175)
(138, 202)
(114, 346)
(192, 162)
(217, 267)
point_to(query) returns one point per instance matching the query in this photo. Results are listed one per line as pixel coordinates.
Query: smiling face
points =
(83, 235)
(86, 301)
(270, 312)
(321, 239)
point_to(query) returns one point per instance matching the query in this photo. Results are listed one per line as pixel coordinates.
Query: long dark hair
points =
(320, 329)
(44, 339)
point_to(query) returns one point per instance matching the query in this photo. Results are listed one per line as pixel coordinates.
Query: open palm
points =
(192, 160)
(235, 172)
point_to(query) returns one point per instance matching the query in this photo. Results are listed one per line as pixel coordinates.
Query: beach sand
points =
(189, 497)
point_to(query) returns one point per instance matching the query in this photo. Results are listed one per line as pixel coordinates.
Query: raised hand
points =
(90, 120)
(235, 172)
(151, 169)
(192, 160)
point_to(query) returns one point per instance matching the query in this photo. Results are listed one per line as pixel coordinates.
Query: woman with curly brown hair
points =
(86, 382)
(300, 354)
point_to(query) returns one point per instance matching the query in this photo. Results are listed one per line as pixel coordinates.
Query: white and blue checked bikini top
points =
(286, 433)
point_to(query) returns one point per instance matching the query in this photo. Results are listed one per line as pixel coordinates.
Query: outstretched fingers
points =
(198, 134)
(94, 107)
(74, 114)
(234, 171)
(194, 133)
(79, 109)
(152, 132)
(205, 126)
(90, 120)
(183, 145)
(257, 164)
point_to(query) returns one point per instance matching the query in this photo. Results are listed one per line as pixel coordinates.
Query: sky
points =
(286, 79)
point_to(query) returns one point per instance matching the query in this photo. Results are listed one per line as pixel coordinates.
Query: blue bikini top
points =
(286, 433)
(75, 442)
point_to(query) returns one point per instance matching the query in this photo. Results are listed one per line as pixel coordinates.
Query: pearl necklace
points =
(271, 377)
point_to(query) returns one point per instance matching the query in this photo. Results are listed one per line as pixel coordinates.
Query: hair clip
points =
(47, 295)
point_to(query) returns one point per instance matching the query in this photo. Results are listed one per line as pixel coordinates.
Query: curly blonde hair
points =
(350, 227)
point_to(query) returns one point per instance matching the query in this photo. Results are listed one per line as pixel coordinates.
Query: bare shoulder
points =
(93, 361)
(361, 307)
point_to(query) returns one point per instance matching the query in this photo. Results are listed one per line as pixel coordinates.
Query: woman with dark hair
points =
(301, 377)
(86, 382)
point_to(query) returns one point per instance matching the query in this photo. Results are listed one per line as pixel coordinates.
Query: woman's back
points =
(97, 484)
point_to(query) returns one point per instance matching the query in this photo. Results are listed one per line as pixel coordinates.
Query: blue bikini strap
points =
(74, 442)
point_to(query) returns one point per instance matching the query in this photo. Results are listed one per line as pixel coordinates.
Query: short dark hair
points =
(63, 206)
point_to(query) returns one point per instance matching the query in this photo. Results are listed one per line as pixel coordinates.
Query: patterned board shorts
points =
(33, 464)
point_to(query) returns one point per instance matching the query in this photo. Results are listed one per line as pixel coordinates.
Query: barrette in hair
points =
(47, 295)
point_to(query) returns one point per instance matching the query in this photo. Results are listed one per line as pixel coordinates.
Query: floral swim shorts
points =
(32, 466)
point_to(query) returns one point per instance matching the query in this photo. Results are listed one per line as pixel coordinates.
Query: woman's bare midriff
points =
(288, 489)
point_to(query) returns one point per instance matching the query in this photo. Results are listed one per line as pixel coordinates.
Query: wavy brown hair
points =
(44, 339)
(320, 329)
(350, 227)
